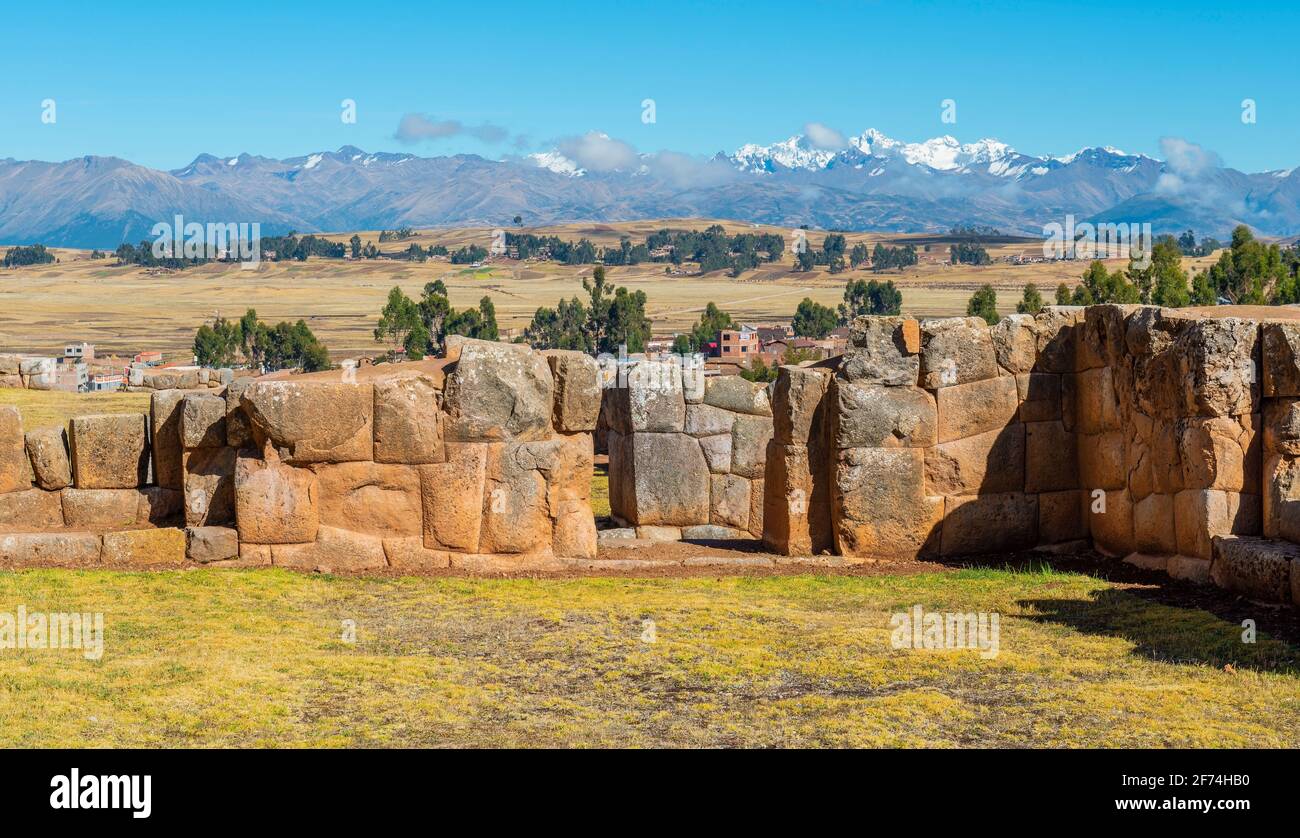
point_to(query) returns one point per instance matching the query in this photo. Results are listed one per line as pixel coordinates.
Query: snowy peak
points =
(554, 161)
(797, 152)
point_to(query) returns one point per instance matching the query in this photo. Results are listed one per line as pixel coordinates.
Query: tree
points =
(863, 296)
(399, 316)
(1165, 275)
(478, 323)
(813, 320)
(1101, 286)
(519, 220)
(263, 347)
(759, 371)
(562, 327)
(1032, 302)
(218, 345)
(1063, 294)
(712, 321)
(984, 303)
(615, 316)
(355, 243)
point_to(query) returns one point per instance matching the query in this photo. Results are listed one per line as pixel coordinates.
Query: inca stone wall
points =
(485, 466)
(686, 453)
(1135, 426)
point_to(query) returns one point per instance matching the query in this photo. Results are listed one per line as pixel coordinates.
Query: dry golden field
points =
(126, 309)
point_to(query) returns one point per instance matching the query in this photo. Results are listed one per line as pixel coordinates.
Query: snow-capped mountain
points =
(874, 182)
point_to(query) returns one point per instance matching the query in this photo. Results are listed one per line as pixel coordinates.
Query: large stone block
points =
(877, 416)
(797, 399)
(1015, 343)
(1281, 420)
(165, 411)
(1256, 568)
(313, 422)
(239, 428)
(749, 438)
(1110, 520)
(48, 450)
(1096, 407)
(63, 549)
(982, 464)
(211, 544)
(375, 498)
(706, 420)
(1221, 452)
(210, 486)
(956, 350)
(649, 399)
(729, 501)
(1281, 498)
(160, 546)
(516, 509)
(452, 494)
(662, 479)
(1281, 358)
(1040, 396)
(498, 392)
(32, 509)
(118, 508)
(574, 534)
(975, 408)
(879, 508)
(408, 421)
(577, 390)
(1202, 514)
(15, 468)
(411, 554)
(1062, 516)
(110, 451)
(333, 550)
(1154, 530)
(203, 421)
(756, 494)
(1057, 330)
(1221, 360)
(731, 392)
(717, 452)
(991, 523)
(1101, 461)
(1152, 455)
(275, 503)
(796, 503)
(1051, 458)
(883, 350)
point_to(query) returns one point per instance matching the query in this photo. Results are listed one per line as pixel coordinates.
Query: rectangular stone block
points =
(1040, 396)
(313, 422)
(956, 350)
(577, 390)
(1051, 457)
(499, 392)
(797, 403)
(110, 451)
(736, 394)
(1256, 568)
(1281, 358)
(164, 545)
(239, 428)
(1062, 516)
(408, 421)
(729, 501)
(411, 554)
(975, 408)
(878, 505)
(749, 438)
(33, 509)
(796, 501)
(119, 508)
(1221, 452)
(275, 503)
(1101, 461)
(210, 486)
(211, 544)
(59, 549)
(452, 498)
(648, 399)
(374, 498)
(165, 411)
(15, 468)
(1110, 520)
(986, 463)
(1096, 407)
(334, 550)
(877, 416)
(883, 350)
(203, 421)
(1202, 514)
(991, 523)
(660, 478)
(1281, 499)
(1154, 530)
(47, 448)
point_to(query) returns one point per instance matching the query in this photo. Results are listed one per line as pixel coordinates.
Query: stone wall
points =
(1135, 426)
(485, 466)
(686, 452)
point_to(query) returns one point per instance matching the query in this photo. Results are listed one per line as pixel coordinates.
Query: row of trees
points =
(415, 329)
(35, 254)
(249, 341)
(610, 317)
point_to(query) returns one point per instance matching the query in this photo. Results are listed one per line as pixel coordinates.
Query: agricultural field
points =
(128, 309)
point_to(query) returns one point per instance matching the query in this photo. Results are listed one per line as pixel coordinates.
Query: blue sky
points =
(160, 84)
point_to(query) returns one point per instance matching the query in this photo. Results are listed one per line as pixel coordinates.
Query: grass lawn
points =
(234, 658)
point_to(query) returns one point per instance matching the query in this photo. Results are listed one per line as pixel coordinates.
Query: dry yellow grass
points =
(45, 408)
(126, 310)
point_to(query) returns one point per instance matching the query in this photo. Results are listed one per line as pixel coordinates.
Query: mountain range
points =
(868, 182)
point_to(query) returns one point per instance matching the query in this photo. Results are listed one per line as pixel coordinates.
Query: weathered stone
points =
(729, 501)
(1256, 568)
(796, 502)
(1201, 514)
(1152, 456)
(411, 554)
(333, 550)
(1096, 406)
(877, 416)
(110, 451)
(655, 532)
(577, 390)
(10, 364)
(408, 422)
(1153, 525)
(1147, 561)
(706, 420)
(883, 350)
(313, 422)
(650, 400)
(693, 378)
(15, 468)
(1051, 458)
(1221, 452)
(1040, 396)
(659, 479)
(159, 506)
(1110, 520)
(275, 503)
(1189, 569)
(515, 506)
(32, 509)
(878, 507)
(374, 498)
(1101, 461)
(1281, 420)
(118, 508)
(1281, 355)
(756, 493)
(989, 523)
(1220, 356)
(976, 408)
(712, 532)
(1062, 516)
(203, 421)
(541, 560)
(165, 410)
(717, 452)
(452, 494)
(797, 403)
(1281, 499)
(210, 486)
(239, 428)
(982, 464)
(1015, 343)
(749, 438)
(48, 450)
(165, 545)
(733, 393)
(574, 535)
(956, 350)
(1057, 329)
(66, 549)
(211, 544)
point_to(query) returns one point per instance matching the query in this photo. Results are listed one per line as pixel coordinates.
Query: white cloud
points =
(415, 128)
(597, 152)
(824, 137)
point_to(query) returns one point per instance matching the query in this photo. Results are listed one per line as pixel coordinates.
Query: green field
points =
(256, 658)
